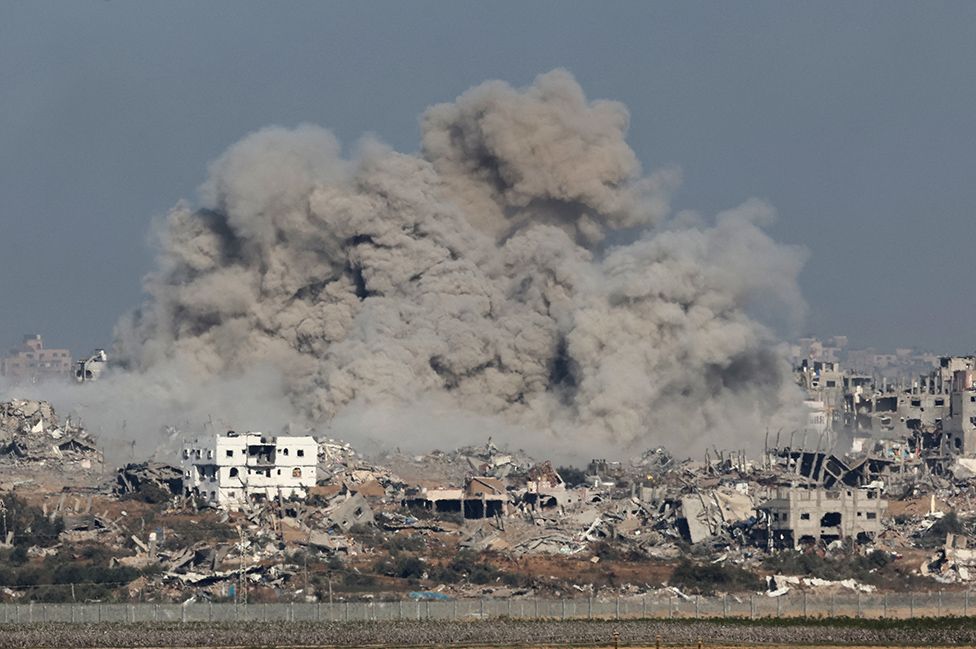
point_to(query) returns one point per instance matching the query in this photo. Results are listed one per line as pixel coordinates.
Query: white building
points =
(227, 470)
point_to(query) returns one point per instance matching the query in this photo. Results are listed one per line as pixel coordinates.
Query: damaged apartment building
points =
(799, 516)
(232, 469)
(933, 416)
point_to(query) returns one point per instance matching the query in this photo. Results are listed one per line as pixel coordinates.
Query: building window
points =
(285, 451)
(230, 452)
(279, 471)
(296, 472)
(230, 494)
(831, 384)
(805, 517)
(186, 454)
(872, 516)
(301, 452)
(268, 473)
(233, 472)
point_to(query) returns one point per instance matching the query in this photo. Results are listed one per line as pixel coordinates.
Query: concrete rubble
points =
(398, 523)
(31, 433)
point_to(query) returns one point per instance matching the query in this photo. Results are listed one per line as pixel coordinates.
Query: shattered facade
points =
(799, 516)
(91, 368)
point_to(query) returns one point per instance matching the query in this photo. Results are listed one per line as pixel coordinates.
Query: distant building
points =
(229, 470)
(30, 361)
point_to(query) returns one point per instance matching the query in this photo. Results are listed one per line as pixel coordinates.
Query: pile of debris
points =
(31, 432)
(151, 482)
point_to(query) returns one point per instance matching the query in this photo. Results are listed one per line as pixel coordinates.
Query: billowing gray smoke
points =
(469, 289)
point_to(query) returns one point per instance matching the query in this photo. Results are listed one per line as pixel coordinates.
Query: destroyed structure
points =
(91, 368)
(232, 469)
(30, 432)
(307, 518)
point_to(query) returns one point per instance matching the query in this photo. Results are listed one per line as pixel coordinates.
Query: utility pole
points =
(242, 581)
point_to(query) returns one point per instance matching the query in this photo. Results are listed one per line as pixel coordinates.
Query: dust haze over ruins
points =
(519, 276)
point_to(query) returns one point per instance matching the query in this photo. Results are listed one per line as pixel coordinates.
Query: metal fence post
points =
(697, 606)
(911, 606)
(670, 608)
(617, 608)
(885, 611)
(940, 603)
(182, 613)
(725, 605)
(965, 606)
(831, 605)
(99, 612)
(858, 603)
(752, 606)
(804, 603)
(779, 606)
(481, 609)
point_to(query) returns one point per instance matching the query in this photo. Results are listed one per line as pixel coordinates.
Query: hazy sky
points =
(856, 120)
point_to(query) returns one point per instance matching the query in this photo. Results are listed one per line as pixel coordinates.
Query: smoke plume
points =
(472, 285)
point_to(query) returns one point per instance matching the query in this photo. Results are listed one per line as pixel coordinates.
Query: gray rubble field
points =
(494, 632)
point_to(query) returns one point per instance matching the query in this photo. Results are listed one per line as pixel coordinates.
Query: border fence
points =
(800, 604)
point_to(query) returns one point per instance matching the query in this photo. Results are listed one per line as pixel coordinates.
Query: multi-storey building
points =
(797, 515)
(231, 469)
(30, 361)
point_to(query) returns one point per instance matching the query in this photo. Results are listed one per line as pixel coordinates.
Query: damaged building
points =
(231, 469)
(799, 516)
(481, 497)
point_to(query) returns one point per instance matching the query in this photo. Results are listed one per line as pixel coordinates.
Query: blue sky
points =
(855, 120)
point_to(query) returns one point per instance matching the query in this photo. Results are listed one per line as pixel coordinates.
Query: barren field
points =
(956, 632)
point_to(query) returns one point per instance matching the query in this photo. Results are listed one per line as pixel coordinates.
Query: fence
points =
(882, 605)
